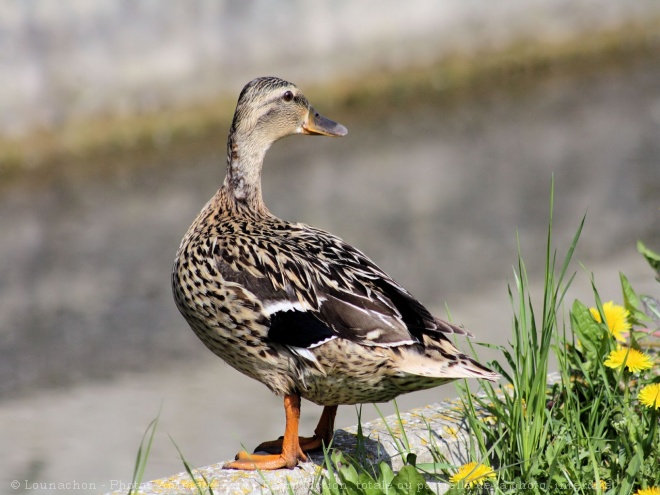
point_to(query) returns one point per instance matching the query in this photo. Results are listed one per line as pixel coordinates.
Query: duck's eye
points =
(288, 96)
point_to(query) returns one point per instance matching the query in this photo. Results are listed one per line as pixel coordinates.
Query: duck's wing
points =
(314, 287)
(385, 315)
(371, 308)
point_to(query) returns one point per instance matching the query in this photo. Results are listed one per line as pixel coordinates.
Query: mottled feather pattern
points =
(243, 265)
(293, 306)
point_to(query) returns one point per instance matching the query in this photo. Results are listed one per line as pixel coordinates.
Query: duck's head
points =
(270, 108)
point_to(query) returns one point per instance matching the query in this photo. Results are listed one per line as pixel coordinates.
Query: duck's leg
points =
(323, 431)
(322, 435)
(290, 454)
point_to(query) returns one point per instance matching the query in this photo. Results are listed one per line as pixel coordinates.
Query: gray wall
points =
(64, 60)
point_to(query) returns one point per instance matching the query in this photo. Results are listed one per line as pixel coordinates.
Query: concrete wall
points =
(64, 61)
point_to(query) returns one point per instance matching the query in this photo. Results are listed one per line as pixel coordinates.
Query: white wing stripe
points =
(271, 307)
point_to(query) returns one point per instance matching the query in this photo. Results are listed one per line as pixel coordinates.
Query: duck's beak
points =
(317, 124)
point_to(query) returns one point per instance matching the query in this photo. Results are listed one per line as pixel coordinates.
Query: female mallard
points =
(296, 307)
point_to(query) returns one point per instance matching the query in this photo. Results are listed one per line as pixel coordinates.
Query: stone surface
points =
(418, 431)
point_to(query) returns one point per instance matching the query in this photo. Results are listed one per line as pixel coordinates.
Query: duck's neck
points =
(243, 180)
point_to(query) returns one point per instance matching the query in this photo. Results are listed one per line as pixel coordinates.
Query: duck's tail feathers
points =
(440, 359)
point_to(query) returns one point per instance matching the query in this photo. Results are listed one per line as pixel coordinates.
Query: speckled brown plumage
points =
(296, 307)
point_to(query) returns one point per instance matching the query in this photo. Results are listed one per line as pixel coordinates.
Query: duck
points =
(295, 307)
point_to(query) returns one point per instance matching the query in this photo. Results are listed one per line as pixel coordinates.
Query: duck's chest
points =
(215, 305)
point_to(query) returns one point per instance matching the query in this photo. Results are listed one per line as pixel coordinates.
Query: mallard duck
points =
(295, 307)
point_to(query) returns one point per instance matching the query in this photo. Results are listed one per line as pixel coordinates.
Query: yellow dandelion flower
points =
(471, 474)
(650, 397)
(616, 317)
(634, 360)
(654, 490)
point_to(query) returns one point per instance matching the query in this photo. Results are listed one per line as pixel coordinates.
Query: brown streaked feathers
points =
(296, 307)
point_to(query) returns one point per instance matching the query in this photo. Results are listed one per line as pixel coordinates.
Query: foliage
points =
(142, 456)
(346, 476)
(590, 432)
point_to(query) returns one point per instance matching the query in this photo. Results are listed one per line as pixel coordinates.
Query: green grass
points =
(520, 427)
(347, 476)
(588, 433)
(201, 488)
(143, 456)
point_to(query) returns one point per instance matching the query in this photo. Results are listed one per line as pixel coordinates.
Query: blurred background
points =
(113, 123)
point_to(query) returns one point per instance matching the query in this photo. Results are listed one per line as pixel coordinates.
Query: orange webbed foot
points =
(290, 452)
(307, 444)
(322, 435)
(253, 462)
